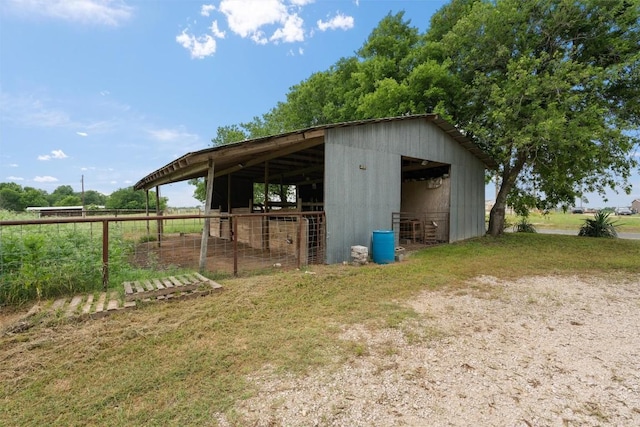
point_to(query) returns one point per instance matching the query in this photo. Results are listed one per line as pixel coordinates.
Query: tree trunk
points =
(498, 211)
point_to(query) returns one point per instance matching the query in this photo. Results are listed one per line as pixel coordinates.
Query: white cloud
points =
(246, 17)
(55, 154)
(216, 31)
(292, 31)
(101, 12)
(171, 135)
(14, 178)
(259, 38)
(206, 9)
(26, 110)
(13, 165)
(338, 22)
(292, 52)
(82, 134)
(198, 47)
(262, 21)
(45, 179)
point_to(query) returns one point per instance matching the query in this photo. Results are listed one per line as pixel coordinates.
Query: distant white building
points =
(59, 210)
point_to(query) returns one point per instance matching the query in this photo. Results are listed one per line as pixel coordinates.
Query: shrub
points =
(600, 226)
(524, 226)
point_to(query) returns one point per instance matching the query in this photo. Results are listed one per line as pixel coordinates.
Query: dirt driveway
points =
(541, 351)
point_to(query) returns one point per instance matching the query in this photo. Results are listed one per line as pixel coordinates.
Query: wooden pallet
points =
(87, 305)
(171, 288)
(185, 286)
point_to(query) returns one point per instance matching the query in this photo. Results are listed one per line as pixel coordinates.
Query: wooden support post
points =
(266, 186)
(158, 214)
(265, 224)
(299, 241)
(146, 192)
(234, 235)
(207, 220)
(229, 193)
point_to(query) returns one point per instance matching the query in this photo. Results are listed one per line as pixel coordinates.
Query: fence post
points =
(234, 236)
(105, 254)
(299, 241)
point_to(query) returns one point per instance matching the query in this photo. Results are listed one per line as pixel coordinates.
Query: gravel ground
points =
(540, 351)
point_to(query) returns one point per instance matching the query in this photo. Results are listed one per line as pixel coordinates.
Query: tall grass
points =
(48, 261)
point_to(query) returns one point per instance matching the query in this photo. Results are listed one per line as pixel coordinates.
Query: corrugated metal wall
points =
(363, 180)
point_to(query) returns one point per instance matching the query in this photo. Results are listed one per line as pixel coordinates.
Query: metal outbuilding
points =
(359, 173)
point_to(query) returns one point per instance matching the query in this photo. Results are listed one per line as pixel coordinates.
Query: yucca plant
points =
(524, 226)
(599, 226)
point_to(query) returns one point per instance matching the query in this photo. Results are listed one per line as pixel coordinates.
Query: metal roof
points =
(282, 151)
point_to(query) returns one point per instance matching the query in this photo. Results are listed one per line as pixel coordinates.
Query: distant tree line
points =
(14, 197)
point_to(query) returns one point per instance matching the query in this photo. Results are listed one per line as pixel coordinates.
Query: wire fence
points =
(58, 256)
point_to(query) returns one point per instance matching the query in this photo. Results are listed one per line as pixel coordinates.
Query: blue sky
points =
(114, 89)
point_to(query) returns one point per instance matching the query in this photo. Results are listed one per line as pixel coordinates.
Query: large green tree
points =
(128, 198)
(92, 197)
(550, 89)
(10, 196)
(15, 198)
(61, 192)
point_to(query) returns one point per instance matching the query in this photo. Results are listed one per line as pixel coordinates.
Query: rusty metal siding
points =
(363, 180)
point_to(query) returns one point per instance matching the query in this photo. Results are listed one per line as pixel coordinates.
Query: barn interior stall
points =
(289, 169)
(425, 203)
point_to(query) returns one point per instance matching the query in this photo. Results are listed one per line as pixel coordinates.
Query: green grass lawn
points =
(569, 221)
(180, 363)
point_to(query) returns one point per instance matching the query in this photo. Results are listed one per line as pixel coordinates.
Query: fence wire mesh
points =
(56, 256)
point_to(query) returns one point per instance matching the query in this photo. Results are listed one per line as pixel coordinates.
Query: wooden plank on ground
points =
(127, 288)
(114, 301)
(87, 304)
(35, 309)
(172, 287)
(185, 279)
(200, 277)
(100, 304)
(183, 287)
(138, 286)
(113, 305)
(75, 302)
(175, 281)
(214, 285)
(58, 304)
(149, 286)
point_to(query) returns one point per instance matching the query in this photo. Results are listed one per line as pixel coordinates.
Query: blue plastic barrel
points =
(383, 247)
